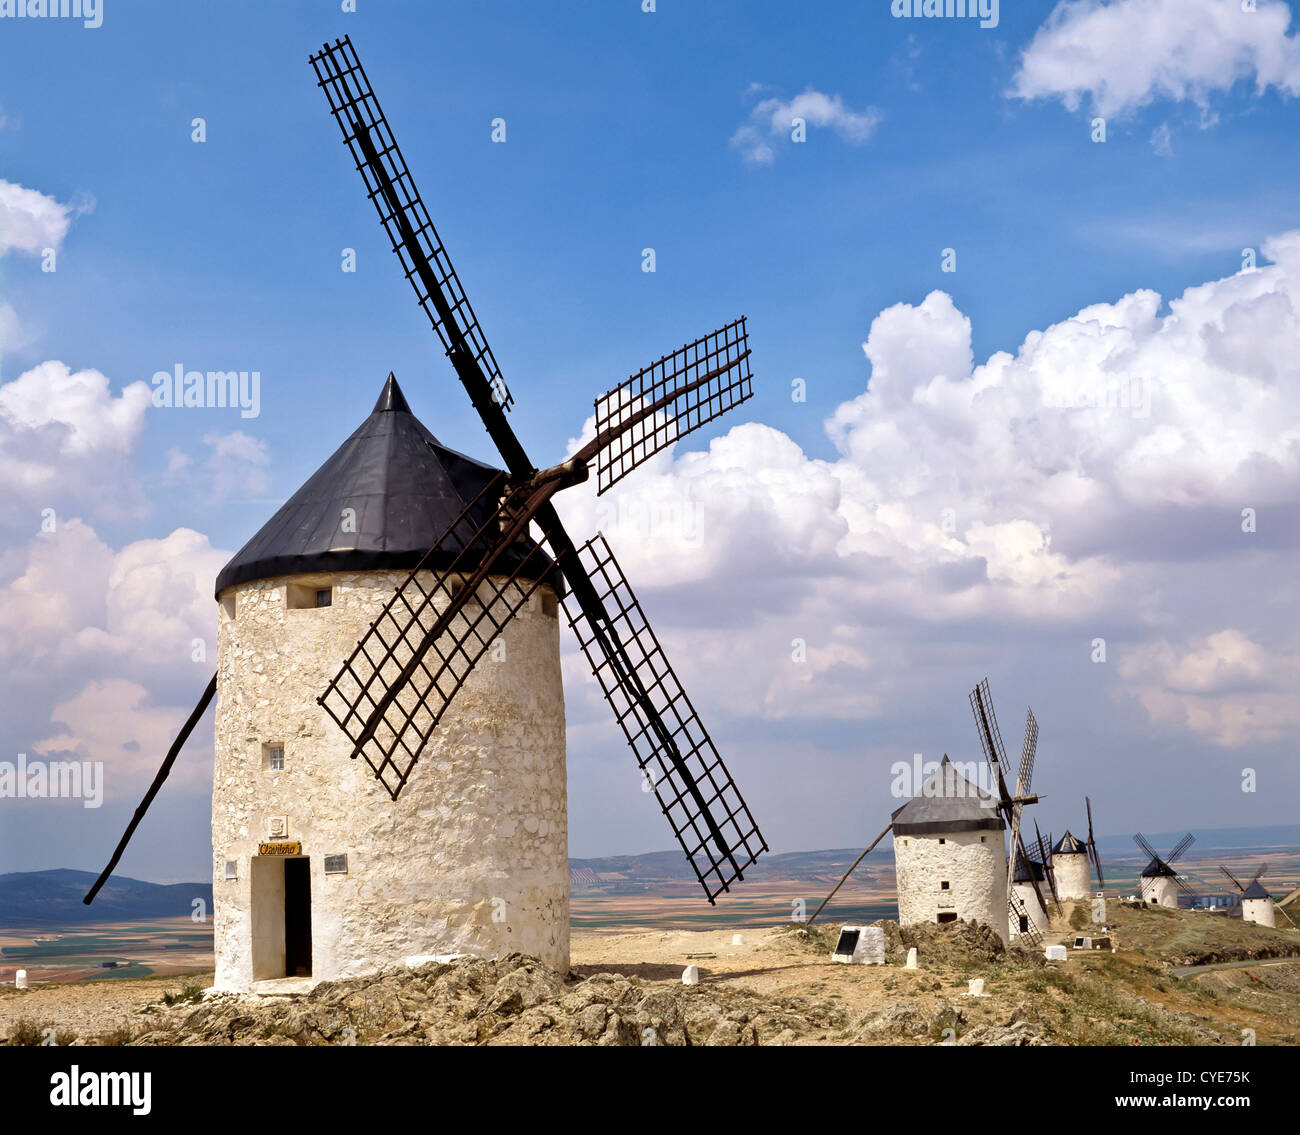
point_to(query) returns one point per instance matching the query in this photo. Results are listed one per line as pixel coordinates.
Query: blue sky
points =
(626, 130)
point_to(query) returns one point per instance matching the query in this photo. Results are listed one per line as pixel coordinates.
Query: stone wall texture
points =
(974, 864)
(473, 855)
(1160, 889)
(1073, 876)
(1028, 901)
(1258, 910)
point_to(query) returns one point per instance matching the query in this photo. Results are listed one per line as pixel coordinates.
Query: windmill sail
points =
(648, 411)
(668, 399)
(389, 185)
(393, 689)
(695, 791)
(205, 699)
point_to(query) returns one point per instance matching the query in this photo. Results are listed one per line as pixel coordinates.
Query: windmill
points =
(1026, 904)
(483, 574)
(1256, 903)
(986, 724)
(945, 865)
(1046, 861)
(1159, 878)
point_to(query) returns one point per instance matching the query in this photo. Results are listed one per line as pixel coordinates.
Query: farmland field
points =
(107, 950)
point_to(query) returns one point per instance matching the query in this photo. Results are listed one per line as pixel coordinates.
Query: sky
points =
(1024, 305)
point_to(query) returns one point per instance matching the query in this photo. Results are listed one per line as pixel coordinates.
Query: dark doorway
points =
(948, 916)
(1024, 924)
(297, 917)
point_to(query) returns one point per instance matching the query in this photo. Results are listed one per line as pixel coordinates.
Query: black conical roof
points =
(1158, 868)
(1255, 891)
(405, 489)
(1069, 845)
(1027, 870)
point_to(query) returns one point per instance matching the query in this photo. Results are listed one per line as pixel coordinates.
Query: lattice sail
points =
(986, 723)
(670, 398)
(1027, 753)
(695, 791)
(390, 186)
(392, 691)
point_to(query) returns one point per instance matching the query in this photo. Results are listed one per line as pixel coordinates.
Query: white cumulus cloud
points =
(66, 437)
(1123, 54)
(1024, 494)
(31, 221)
(773, 119)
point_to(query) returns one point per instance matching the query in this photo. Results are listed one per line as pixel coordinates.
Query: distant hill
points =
(1285, 836)
(35, 898)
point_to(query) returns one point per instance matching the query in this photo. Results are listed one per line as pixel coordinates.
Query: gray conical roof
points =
(1069, 845)
(403, 487)
(948, 802)
(1255, 891)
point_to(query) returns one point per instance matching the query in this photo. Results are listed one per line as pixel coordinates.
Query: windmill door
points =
(297, 917)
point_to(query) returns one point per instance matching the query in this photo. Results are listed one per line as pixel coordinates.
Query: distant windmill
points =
(1026, 898)
(986, 725)
(1256, 903)
(950, 860)
(1045, 859)
(1159, 879)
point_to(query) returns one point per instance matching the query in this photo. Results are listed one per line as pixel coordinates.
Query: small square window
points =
(273, 757)
(942, 840)
(944, 885)
(307, 596)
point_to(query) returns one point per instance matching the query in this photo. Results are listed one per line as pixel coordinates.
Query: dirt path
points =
(87, 1008)
(1184, 971)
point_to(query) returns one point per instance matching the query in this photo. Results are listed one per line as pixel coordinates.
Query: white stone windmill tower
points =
(1071, 868)
(1027, 884)
(397, 609)
(949, 855)
(1257, 904)
(1073, 861)
(1160, 882)
(317, 872)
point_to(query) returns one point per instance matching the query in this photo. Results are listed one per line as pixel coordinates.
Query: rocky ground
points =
(777, 986)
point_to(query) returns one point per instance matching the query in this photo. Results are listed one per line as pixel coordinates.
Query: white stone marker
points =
(1056, 953)
(20, 979)
(860, 946)
(976, 987)
(737, 939)
(911, 959)
(691, 975)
